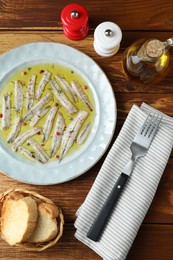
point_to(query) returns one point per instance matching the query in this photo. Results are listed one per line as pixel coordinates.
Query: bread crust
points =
(47, 214)
(17, 227)
(45, 205)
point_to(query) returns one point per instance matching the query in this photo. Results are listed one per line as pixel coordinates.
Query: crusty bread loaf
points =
(18, 218)
(46, 227)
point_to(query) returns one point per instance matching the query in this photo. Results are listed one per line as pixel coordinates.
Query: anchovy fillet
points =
(42, 84)
(40, 114)
(6, 111)
(39, 150)
(15, 130)
(33, 110)
(24, 136)
(49, 123)
(81, 94)
(65, 102)
(30, 154)
(83, 134)
(18, 96)
(57, 136)
(30, 92)
(67, 87)
(71, 132)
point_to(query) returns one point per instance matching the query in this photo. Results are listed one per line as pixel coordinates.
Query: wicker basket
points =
(38, 198)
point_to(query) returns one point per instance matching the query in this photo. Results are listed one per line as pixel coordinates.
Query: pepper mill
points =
(107, 38)
(74, 18)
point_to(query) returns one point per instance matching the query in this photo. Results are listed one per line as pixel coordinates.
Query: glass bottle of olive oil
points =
(147, 60)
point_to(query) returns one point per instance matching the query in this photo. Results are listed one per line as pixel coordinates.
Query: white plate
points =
(91, 151)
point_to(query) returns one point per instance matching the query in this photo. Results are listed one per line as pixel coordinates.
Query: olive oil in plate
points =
(23, 75)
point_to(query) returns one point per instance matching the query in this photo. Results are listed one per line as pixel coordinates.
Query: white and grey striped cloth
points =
(132, 206)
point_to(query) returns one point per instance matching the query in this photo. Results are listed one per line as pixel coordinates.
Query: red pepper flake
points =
(39, 133)
(85, 87)
(56, 104)
(42, 144)
(58, 133)
(57, 156)
(1, 115)
(41, 71)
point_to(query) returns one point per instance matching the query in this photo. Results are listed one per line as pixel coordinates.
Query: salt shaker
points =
(107, 38)
(74, 18)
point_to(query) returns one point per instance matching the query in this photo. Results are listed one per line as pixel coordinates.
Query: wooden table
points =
(25, 21)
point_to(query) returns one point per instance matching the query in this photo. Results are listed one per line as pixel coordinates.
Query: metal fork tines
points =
(142, 140)
(139, 147)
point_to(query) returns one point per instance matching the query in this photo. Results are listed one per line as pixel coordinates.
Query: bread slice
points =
(46, 228)
(18, 218)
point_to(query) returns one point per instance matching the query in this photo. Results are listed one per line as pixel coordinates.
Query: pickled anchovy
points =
(15, 130)
(42, 84)
(6, 111)
(18, 96)
(29, 154)
(39, 150)
(65, 102)
(33, 110)
(67, 87)
(71, 132)
(57, 136)
(81, 94)
(30, 92)
(49, 123)
(83, 134)
(39, 115)
(24, 136)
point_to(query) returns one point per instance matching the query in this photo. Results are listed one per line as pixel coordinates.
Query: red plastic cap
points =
(74, 18)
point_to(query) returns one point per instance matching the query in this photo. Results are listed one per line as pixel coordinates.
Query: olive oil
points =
(147, 60)
(24, 75)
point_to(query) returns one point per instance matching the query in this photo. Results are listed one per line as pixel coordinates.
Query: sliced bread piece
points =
(46, 228)
(18, 218)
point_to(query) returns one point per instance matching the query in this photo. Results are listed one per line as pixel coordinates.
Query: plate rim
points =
(110, 89)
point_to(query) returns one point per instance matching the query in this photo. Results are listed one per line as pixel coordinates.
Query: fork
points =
(139, 148)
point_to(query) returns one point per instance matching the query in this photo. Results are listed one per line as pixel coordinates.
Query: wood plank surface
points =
(26, 21)
(149, 245)
(112, 66)
(142, 15)
(69, 196)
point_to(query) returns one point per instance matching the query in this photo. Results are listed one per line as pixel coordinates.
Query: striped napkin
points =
(132, 206)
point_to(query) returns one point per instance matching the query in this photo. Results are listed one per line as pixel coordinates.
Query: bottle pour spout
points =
(169, 42)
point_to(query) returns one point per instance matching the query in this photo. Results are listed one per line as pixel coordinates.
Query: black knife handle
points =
(100, 221)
